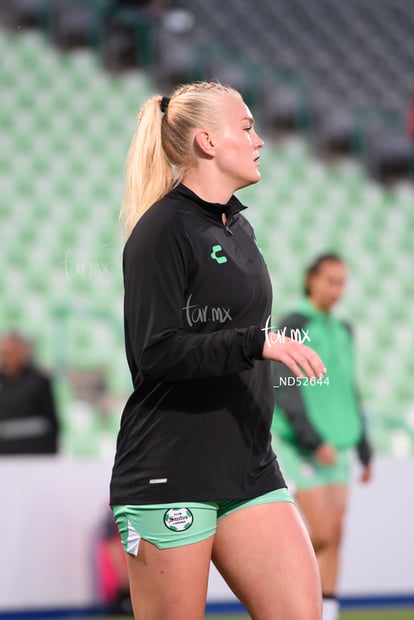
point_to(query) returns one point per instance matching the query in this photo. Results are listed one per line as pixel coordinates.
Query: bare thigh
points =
(170, 584)
(264, 554)
(323, 509)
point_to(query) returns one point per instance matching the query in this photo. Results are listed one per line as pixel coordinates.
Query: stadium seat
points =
(66, 127)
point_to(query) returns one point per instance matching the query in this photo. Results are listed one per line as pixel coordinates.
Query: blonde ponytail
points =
(161, 148)
(149, 175)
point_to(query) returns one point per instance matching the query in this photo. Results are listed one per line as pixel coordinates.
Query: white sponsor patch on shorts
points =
(178, 519)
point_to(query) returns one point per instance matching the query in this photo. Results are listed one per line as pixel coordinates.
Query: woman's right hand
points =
(298, 357)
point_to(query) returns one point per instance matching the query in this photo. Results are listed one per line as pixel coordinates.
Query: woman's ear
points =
(205, 142)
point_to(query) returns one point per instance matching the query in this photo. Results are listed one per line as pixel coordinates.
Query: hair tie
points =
(164, 104)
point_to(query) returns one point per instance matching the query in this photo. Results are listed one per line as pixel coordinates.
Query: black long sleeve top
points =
(197, 296)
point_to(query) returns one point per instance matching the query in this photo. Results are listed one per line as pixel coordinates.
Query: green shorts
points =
(180, 523)
(302, 471)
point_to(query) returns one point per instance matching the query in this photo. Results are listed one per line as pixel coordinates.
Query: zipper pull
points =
(225, 223)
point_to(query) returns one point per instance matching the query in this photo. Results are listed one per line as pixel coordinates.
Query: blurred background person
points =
(28, 417)
(317, 424)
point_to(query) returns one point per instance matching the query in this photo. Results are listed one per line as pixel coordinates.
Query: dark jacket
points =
(28, 417)
(197, 296)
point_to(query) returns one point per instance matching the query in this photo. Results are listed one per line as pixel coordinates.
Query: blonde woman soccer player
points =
(195, 478)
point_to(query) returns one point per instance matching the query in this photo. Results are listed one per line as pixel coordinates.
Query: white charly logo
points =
(178, 519)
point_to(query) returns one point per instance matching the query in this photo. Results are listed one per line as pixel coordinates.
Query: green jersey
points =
(310, 413)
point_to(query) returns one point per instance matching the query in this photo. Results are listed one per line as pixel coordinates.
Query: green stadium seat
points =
(66, 128)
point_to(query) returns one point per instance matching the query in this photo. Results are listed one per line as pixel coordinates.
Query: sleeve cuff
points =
(257, 342)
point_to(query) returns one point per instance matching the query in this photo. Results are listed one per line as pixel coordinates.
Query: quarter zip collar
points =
(213, 210)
